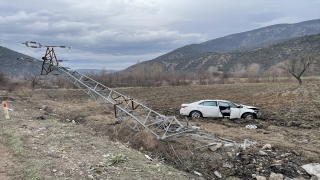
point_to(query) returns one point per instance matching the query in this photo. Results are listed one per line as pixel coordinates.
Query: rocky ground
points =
(56, 134)
(40, 142)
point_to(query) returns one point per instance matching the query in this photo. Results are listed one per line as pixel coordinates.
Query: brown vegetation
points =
(289, 124)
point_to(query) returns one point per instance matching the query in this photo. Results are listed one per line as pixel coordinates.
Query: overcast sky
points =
(115, 34)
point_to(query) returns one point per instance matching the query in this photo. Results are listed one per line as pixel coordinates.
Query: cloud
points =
(121, 32)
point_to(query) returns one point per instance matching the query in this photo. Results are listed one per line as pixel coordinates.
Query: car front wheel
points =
(248, 116)
(195, 114)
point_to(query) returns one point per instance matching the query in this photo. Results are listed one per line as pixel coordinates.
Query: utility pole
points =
(49, 59)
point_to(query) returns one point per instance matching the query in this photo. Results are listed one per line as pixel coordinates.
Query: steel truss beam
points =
(134, 114)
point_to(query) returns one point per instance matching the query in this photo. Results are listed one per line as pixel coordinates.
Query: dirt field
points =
(56, 134)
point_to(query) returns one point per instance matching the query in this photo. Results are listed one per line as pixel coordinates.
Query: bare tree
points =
(34, 80)
(298, 65)
(3, 79)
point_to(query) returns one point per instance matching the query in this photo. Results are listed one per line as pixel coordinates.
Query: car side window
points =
(231, 104)
(209, 103)
(223, 104)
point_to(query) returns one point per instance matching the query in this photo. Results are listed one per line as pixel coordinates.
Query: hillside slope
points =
(14, 68)
(266, 57)
(192, 57)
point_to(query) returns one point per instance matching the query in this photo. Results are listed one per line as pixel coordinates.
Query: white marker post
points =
(5, 108)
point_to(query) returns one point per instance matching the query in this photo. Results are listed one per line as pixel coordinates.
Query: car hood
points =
(249, 107)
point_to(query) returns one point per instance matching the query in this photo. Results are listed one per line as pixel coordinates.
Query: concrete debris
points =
(197, 173)
(217, 174)
(312, 169)
(261, 178)
(216, 147)
(250, 126)
(274, 176)
(90, 176)
(195, 127)
(263, 153)
(227, 165)
(266, 146)
(148, 157)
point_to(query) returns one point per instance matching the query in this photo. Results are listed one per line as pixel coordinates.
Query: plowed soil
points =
(290, 124)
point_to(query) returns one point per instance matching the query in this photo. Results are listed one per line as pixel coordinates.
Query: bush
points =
(3, 80)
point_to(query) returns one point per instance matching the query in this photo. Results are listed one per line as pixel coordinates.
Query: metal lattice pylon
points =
(134, 114)
(128, 111)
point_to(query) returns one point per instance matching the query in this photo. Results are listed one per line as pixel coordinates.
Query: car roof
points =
(210, 100)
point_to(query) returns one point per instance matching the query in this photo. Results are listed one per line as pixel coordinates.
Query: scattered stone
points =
(197, 173)
(250, 126)
(54, 170)
(250, 166)
(266, 146)
(195, 127)
(263, 153)
(90, 176)
(73, 122)
(314, 178)
(287, 178)
(227, 165)
(216, 147)
(44, 107)
(306, 126)
(296, 152)
(274, 176)
(148, 157)
(312, 169)
(67, 120)
(217, 174)
(253, 175)
(261, 178)
(230, 154)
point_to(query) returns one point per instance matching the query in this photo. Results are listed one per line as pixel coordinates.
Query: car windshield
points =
(233, 105)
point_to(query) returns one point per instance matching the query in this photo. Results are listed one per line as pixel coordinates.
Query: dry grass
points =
(75, 105)
(146, 139)
(24, 91)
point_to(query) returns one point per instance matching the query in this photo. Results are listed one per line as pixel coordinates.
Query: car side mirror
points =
(240, 106)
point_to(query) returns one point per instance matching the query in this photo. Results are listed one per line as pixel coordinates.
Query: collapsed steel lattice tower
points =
(134, 114)
(128, 111)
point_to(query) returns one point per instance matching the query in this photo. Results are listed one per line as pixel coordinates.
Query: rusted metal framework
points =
(49, 61)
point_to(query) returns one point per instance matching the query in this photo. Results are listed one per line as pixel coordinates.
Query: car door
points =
(235, 110)
(209, 109)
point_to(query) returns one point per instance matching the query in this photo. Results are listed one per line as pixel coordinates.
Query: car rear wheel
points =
(195, 114)
(248, 116)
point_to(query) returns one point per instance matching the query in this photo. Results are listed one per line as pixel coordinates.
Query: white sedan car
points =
(219, 108)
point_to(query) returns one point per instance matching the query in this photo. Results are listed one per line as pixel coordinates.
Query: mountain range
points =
(17, 65)
(257, 46)
(265, 46)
